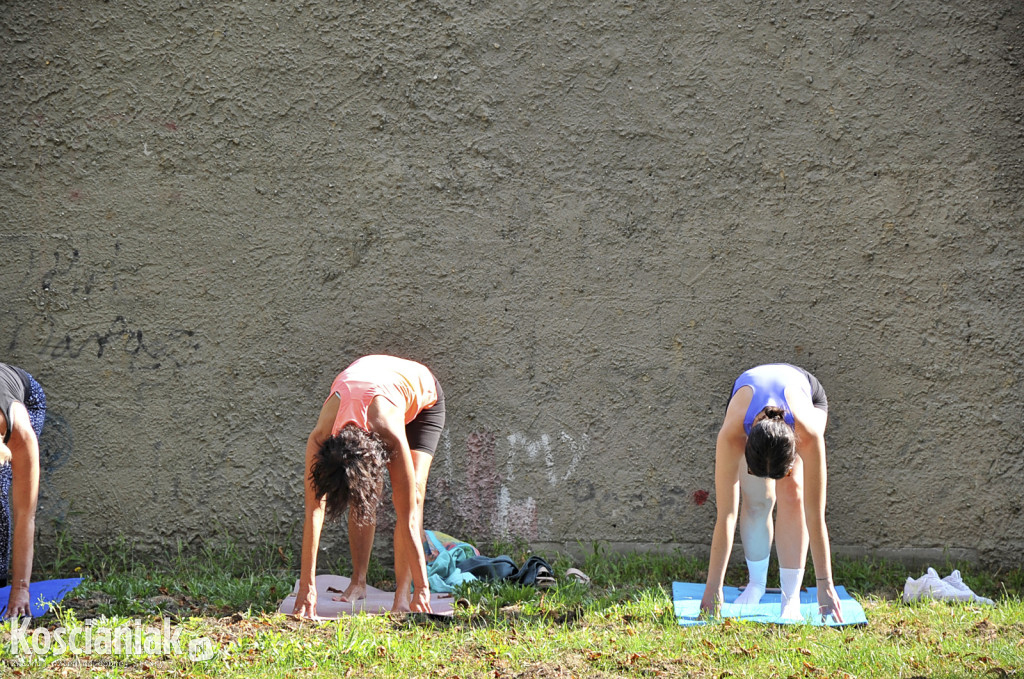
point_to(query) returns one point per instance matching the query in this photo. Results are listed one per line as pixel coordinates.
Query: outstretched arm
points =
(728, 457)
(810, 431)
(305, 599)
(24, 451)
(387, 421)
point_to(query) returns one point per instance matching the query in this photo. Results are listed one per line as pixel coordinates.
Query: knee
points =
(758, 504)
(791, 492)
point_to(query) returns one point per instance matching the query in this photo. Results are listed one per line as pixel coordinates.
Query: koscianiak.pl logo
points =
(96, 639)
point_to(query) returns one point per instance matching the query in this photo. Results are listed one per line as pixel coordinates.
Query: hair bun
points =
(774, 413)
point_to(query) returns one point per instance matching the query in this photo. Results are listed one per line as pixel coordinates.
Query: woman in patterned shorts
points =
(22, 411)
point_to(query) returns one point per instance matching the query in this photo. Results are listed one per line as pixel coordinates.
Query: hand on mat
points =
(305, 603)
(420, 601)
(711, 602)
(828, 603)
(18, 604)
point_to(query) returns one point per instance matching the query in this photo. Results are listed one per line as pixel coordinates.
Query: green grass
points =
(620, 625)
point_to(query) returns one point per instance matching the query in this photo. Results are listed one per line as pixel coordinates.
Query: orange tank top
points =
(407, 384)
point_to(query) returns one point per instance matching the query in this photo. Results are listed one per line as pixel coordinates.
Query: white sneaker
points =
(928, 586)
(963, 592)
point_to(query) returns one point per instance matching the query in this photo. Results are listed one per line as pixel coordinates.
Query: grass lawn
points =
(620, 625)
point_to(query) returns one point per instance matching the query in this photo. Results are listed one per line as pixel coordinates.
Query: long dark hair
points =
(771, 445)
(349, 470)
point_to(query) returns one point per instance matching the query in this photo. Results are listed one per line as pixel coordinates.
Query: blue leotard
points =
(770, 382)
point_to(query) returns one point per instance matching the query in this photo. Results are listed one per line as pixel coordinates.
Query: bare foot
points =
(355, 592)
(417, 603)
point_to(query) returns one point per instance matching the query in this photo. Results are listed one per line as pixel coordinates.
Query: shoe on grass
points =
(963, 592)
(928, 586)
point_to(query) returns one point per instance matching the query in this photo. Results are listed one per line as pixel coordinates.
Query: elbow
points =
(24, 519)
(314, 443)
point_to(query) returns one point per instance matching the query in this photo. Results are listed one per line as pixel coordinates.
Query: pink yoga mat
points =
(376, 601)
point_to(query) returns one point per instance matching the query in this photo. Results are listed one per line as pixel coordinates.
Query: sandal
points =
(578, 575)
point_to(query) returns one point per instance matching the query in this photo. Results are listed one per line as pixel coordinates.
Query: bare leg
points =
(793, 538)
(360, 543)
(756, 531)
(421, 467)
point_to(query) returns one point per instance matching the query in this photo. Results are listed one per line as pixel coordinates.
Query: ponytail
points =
(771, 445)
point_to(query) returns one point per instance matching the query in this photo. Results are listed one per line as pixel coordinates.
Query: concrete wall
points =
(586, 217)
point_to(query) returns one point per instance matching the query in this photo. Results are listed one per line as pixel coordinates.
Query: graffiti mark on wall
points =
(488, 502)
(144, 351)
(69, 277)
(480, 499)
(63, 264)
(519, 445)
(517, 518)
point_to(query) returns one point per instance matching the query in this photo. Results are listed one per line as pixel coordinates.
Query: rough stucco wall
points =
(586, 219)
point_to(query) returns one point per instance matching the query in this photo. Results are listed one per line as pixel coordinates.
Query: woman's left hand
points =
(828, 602)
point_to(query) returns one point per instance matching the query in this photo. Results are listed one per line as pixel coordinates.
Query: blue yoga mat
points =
(687, 595)
(41, 595)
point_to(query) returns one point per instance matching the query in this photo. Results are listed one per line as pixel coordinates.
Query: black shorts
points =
(818, 398)
(424, 432)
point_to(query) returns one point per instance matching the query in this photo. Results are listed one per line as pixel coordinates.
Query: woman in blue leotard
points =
(771, 450)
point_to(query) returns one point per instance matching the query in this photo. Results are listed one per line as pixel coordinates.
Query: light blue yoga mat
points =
(687, 595)
(41, 595)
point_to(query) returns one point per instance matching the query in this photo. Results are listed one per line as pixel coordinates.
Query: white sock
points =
(790, 580)
(758, 582)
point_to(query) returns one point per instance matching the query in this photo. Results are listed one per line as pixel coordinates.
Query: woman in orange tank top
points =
(383, 413)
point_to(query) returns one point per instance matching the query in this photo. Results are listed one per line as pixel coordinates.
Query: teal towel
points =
(443, 573)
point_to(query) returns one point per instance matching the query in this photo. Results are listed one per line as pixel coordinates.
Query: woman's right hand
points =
(305, 603)
(18, 603)
(5, 453)
(420, 601)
